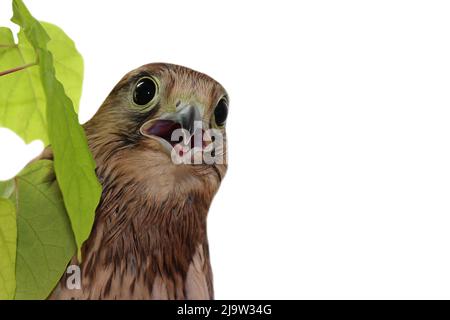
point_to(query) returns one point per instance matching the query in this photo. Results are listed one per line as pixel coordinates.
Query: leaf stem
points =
(3, 73)
(8, 45)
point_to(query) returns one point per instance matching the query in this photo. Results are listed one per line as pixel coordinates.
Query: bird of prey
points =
(149, 239)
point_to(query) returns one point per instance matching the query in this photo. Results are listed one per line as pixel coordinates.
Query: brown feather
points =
(149, 239)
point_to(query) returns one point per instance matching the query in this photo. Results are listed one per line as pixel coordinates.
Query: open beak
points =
(171, 129)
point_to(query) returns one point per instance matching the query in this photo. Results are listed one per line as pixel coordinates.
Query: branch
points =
(3, 73)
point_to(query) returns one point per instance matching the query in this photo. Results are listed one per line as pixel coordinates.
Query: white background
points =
(339, 178)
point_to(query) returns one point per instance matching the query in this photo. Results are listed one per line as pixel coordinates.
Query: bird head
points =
(163, 126)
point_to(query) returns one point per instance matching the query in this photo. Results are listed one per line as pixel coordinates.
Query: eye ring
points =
(145, 91)
(221, 112)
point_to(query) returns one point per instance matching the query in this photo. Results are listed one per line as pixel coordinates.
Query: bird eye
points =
(144, 91)
(221, 112)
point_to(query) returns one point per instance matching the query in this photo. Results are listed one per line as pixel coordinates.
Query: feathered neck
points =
(149, 239)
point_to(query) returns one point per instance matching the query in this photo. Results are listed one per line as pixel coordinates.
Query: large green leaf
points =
(22, 98)
(74, 165)
(8, 237)
(45, 242)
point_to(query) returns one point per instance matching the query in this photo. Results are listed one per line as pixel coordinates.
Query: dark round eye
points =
(221, 112)
(145, 91)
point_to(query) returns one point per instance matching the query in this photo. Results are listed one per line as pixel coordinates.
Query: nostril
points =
(178, 104)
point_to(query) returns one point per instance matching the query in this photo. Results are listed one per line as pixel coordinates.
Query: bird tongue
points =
(164, 130)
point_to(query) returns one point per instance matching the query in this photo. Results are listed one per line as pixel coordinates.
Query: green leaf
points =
(22, 98)
(45, 242)
(68, 62)
(74, 165)
(8, 236)
(6, 188)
